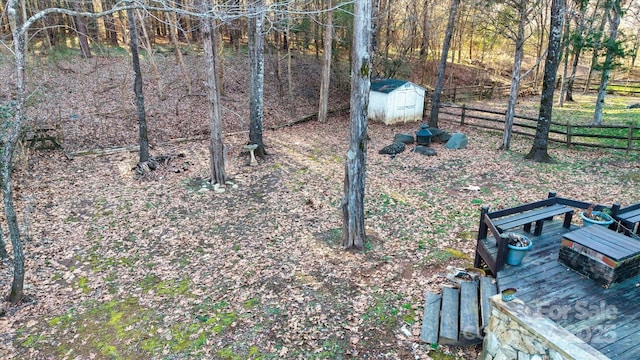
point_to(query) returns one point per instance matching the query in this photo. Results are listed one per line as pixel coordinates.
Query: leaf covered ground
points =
(162, 267)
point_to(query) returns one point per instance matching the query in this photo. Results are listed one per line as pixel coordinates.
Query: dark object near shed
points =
(404, 138)
(423, 136)
(634, 106)
(439, 136)
(393, 149)
(424, 150)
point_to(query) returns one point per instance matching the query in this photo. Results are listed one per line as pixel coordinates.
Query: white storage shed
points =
(392, 101)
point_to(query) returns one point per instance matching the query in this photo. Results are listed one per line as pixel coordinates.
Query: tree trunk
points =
(613, 14)
(426, 31)
(173, 34)
(597, 45)
(564, 55)
(256, 76)
(515, 83)
(3, 248)
(538, 151)
(577, 47)
(100, 28)
(81, 29)
(326, 66)
(137, 88)
(292, 107)
(235, 29)
(110, 26)
(10, 140)
(375, 26)
(353, 231)
(216, 145)
(146, 45)
(437, 91)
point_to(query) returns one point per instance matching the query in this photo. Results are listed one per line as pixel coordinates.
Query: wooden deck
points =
(606, 319)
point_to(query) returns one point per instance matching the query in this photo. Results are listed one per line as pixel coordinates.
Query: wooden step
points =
(449, 316)
(431, 318)
(458, 317)
(469, 314)
(488, 288)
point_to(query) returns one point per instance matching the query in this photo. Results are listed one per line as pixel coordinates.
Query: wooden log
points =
(469, 332)
(488, 288)
(306, 118)
(449, 317)
(431, 318)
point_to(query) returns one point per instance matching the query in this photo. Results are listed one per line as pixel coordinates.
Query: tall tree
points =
(564, 55)
(137, 88)
(595, 40)
(81, 29)
(539, 151)
(326, 65)
(437, 91)
(577, 44)
(256, 74)
(353, 232)
(216, 145)
(10, 139)
(613, 49)
(516, 13)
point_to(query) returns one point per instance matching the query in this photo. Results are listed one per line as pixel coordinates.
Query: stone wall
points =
(516, 331)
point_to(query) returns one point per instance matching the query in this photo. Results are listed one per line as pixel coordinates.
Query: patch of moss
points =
(31, 341)
(172, 287)
(83, 284)
(228, 354)
(251, 303)
(455, 253)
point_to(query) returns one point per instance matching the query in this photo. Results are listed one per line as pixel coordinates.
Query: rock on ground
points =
(457, 141)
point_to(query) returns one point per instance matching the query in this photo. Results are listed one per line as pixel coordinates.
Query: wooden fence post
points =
(464, 109)
(630, 138)
(568, 134)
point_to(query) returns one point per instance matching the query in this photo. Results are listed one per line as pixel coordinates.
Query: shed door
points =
(406, 103)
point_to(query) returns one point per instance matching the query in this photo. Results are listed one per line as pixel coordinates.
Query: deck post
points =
(482, 233)
(552, 194)
(614, 214)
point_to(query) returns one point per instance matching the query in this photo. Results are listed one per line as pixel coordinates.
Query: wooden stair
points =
(458, 316)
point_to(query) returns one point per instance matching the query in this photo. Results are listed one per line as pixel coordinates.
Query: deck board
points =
(574, 301)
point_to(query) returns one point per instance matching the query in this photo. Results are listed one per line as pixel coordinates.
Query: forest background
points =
(258, 271)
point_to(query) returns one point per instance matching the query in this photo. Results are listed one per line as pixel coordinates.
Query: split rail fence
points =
(619, 137)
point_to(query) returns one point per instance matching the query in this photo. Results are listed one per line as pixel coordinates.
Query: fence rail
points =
(619, 137)
(493, 89)
(480, 92)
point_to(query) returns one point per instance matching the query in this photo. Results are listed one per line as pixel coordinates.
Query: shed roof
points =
(386, 85)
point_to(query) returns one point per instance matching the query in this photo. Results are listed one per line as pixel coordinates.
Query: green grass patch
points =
(124, 329)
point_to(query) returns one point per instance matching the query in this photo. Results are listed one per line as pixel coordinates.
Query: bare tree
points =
(256, 75)
(216, 145)
(353, 232)
(614, 14)
(437, 91)
(13, 128)
(577, 44)
(514, 13)
(81, 29)
(137, 89)
(10, 140)
(539, 151)
(326, 65)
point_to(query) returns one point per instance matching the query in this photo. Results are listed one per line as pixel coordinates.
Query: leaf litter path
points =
(164, 268)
